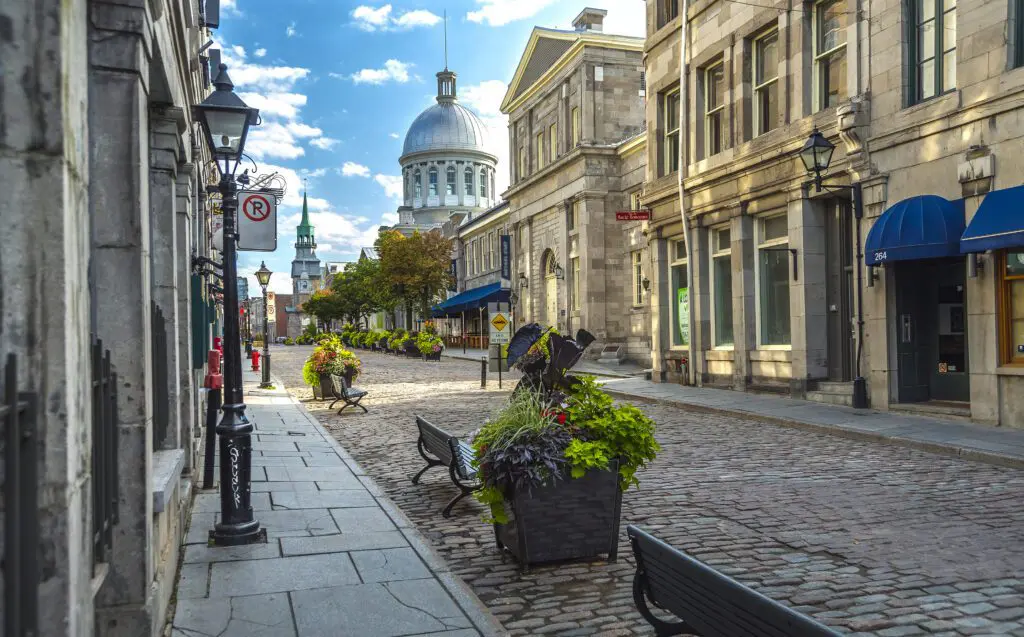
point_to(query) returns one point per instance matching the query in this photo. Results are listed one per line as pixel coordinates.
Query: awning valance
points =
(999, 222)
(924, 227)
(472, 299)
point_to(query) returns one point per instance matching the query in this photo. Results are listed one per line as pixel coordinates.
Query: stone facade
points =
(772, 264)
(106, 209)
(576, 132)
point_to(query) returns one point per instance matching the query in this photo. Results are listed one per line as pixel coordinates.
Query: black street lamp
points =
(263, 276)
(816, 156)
(225, 121)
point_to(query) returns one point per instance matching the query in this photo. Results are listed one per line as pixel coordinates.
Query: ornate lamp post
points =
(225, 121)
(263, 276)
(816, 156)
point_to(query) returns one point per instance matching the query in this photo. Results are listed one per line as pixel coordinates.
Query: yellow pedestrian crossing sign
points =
(499, 322)
(499, 329)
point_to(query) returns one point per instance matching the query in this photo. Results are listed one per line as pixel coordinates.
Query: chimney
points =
(590, 20)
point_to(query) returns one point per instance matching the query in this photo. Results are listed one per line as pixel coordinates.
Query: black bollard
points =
(483, 373)
(212, 409)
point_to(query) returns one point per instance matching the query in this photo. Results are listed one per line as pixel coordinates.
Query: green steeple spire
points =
(304, 233)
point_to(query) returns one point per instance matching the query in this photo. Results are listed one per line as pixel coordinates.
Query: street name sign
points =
(257, 221)
(633, 215)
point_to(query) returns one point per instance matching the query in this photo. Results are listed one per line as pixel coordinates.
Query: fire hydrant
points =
(255, 360)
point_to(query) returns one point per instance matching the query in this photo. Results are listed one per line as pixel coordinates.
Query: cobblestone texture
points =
(868, 538)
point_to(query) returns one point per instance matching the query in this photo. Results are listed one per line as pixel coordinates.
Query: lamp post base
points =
(238, 534)
(860, 393)
(266, 384)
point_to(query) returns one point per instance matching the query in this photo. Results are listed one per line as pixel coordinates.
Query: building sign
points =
(500, 332)
(453, 283)
(683, 314)
(257, 221)
(506, 258)
(633, 215)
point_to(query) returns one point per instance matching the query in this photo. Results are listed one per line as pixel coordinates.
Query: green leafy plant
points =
(289, 341)
(429, 343)
(398, 338)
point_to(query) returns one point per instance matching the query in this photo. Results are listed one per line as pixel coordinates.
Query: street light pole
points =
(263, 276)
(225, 119)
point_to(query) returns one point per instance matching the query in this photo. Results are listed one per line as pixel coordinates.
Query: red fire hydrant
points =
(255, 360)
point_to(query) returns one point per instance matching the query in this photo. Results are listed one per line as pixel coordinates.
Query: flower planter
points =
(326, 389)
(435, 356)
(570, 519)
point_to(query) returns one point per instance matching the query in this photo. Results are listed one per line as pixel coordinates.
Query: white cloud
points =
(485, 97)
(324, 143)
(285, 105)
(394, 135)
(622, 19)
(382, 19)
(389, 218)
(230, 8)
(393, 71)
(259, 52)
(497, 13)
(352, 169)
(319, 172)
(239, 51)
(279, 139)
(290, 31)
(392, 185)
(485, 100)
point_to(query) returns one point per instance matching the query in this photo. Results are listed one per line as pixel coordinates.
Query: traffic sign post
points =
(501, 331)
(257, 221)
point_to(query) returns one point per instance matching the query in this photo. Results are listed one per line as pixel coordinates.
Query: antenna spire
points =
(446, 39)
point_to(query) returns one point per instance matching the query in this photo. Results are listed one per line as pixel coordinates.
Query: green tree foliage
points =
(415, 269)
(357, 290)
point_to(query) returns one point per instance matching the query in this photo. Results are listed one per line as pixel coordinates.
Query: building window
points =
(575, 126)
(492, 242)
(1018, 33)
(638, 279)
(522, 162)
(766, 82)
(1011, 283)
(483, 184)
(668, 11)
(553, 141)
(574, 281)
(418, 185)
(540, 150)
(634, 201)
(670, 104)
(574, 215)
(830, 52)
(721, 285)
(432, 187)
(467, 181)
(714, 108)
(932, 47)
(450, 185)
(476, 257)
(679, 301)
(773, 280)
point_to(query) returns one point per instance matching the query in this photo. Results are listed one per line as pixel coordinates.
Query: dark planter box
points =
(432, 357)
(326, 388)
(570, 519)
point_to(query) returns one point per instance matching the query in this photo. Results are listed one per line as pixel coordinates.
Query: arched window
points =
(450, 185)
(483, 183)
(432, 187)
(417, 178)
(467, 180)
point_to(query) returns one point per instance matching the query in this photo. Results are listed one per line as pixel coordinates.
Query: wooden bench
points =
(343, 390)
(707, 603)
(441, 449)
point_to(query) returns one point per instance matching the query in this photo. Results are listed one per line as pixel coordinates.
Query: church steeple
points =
(304, 233)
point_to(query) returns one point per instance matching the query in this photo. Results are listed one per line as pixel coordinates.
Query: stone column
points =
(700, 304)
(807, 299)
(163, 175)
(44, 286)
(119, 53)
(593, 268)
(183, 338)
(744, 319)
(660, 302)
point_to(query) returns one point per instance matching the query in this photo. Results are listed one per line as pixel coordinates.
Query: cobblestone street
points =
(867, 538)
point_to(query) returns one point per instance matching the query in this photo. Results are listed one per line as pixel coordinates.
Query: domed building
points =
(447, 171)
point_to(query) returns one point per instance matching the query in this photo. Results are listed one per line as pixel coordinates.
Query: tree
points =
(415, 268)
(325, 306)
(356, 289)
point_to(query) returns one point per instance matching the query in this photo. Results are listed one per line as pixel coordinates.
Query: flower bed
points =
(329, 357)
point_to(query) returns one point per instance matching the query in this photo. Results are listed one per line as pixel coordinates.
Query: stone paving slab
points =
(340, 560)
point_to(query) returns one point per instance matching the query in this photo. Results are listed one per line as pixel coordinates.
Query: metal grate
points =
(18, 415)
(104, 453)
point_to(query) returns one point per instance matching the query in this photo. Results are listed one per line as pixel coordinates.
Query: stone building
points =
(99, 144)
(576, 132)
(307, 273)
(777, 268)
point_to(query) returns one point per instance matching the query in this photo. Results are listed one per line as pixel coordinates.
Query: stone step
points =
(831, 398)
(840, 388)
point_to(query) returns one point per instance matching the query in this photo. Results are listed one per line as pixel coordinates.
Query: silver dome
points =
(446, 125)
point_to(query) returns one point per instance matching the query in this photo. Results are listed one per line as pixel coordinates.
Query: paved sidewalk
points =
(625, 370)
(342, 560)
(995, 445)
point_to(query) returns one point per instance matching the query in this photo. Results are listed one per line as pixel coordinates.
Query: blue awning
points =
(924, 227)
(472, 299)
(999, 222)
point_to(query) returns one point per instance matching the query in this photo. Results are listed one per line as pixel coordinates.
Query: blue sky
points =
(339, 82)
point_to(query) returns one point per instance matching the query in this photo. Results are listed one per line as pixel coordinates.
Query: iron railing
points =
(161, 393)
(18, 415)
(104, 453)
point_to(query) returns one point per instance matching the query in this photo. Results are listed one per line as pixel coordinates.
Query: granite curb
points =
(966, 453)
(478, 613)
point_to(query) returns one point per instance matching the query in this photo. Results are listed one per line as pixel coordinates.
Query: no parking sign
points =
(257, 221)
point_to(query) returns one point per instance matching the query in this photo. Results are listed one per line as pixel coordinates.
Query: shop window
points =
(714, 109)
(576, 126)
(679, 301)
(450, 181)
(721, 275)
(1011, 283)
(932, 42)
(553, 142)
(670, 131)
(638, 278)
(418, 183)
(574, 281)
(766, 82)
(773, 280)
(432, 186)
(467, 181)
(830, 20)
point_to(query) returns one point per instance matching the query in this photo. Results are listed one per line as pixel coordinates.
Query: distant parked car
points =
(280, 339)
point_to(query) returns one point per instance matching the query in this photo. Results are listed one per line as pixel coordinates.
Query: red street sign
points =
(256, 207)
(633, 215)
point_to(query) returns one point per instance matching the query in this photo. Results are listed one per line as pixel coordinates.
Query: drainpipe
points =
(684, 141)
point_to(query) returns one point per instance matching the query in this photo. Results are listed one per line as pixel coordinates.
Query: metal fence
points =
(18, 414)
(104, 453)
(161, 392)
